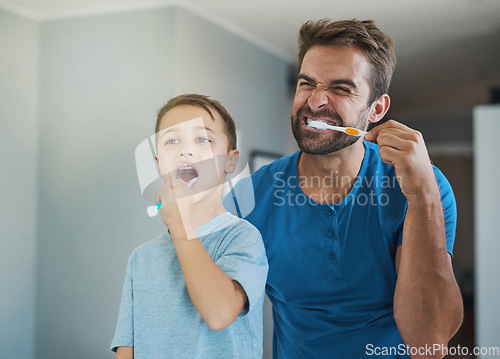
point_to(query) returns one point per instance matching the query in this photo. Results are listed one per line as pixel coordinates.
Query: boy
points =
(197, 290)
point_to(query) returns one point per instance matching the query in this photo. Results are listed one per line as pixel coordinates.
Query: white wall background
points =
(18, 179)
(487, 245)
(77, 96)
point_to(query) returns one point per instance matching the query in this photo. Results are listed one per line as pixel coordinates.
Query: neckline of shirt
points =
(208, 227)
(352, 192)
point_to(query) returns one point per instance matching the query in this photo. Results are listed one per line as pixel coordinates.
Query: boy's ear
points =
(231, 161)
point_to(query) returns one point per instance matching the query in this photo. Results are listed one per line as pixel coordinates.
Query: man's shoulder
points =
(284, 164)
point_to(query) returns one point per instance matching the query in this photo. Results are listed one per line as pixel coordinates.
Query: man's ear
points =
(231, 161)
(379, 108)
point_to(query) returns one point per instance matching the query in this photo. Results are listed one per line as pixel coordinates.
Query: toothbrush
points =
(153, 210)
(320, 125)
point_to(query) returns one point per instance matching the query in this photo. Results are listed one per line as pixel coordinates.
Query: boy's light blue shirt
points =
(157, 316)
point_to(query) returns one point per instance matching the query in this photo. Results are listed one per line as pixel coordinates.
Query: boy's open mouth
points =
(188, 173)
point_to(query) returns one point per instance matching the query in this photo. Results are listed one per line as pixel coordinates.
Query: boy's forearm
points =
(218, 299)
(125, 353)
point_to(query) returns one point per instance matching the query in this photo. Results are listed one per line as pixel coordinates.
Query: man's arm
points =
(427, 302)
(125, 353)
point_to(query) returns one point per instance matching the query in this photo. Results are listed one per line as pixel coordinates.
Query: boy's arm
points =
(218, 299)
(124, 353)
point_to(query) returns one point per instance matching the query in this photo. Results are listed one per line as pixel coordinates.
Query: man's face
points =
(332, 87)
(193, 147)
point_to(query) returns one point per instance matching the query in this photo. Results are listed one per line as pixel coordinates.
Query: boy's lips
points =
(187, 172)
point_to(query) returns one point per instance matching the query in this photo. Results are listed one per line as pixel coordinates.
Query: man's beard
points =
(332, 141)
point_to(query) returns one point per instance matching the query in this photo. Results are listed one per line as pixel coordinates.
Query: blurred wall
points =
(18, 191)
(487, 198)
(102, 80)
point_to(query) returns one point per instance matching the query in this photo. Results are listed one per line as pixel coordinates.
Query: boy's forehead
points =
(188, 115)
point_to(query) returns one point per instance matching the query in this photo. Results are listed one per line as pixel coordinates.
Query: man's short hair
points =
(363, 35)
(206, 103)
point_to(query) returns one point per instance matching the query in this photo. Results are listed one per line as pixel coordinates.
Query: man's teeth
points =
(312, 119)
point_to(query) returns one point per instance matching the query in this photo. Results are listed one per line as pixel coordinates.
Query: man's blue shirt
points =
(331, 275)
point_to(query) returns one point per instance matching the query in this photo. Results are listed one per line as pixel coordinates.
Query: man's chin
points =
(327, 148)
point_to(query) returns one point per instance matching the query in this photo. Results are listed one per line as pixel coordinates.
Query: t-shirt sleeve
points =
(449, 210)
(124, 334)
(244, 260)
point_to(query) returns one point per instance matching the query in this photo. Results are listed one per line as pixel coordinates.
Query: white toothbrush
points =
(320, 125)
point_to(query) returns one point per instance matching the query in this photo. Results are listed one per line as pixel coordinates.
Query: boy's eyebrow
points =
(331, 83)
(195, 128)
(205, 128)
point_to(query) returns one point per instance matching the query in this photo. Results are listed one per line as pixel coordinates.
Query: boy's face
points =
(193, 147)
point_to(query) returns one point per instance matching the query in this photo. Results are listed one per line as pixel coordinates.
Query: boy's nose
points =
(185, 153)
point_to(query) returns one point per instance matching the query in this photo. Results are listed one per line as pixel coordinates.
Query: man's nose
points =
(318, 99)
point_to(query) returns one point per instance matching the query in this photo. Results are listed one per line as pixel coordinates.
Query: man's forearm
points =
(427, 301)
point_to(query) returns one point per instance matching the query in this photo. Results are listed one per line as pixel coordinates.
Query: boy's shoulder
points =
(227, 223)
(150, 247)
(229, 231)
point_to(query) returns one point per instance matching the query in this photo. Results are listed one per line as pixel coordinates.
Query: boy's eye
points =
(171, 141)
(203, 140)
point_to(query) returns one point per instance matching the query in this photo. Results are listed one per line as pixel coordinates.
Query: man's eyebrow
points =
(305, 77)
(332, 83)
(347, 82)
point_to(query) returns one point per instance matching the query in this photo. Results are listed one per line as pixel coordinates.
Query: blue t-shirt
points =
(331, 274)
(157, 316)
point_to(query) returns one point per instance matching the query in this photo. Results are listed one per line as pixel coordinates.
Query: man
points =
(359, 236)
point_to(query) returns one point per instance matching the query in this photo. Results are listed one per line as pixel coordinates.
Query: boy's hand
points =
(176, 202)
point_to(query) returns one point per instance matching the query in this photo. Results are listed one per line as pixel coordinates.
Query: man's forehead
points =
(331, 63)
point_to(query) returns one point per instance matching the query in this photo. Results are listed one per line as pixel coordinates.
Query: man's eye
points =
(341, 89)
(171, 141)
(203, 140)
(306, 85)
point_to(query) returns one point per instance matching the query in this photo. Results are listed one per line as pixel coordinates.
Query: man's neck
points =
(329, 178)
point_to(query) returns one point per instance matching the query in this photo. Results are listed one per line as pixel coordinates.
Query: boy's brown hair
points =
(206, 103)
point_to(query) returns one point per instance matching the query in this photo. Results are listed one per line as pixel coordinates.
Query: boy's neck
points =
(205, 210)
